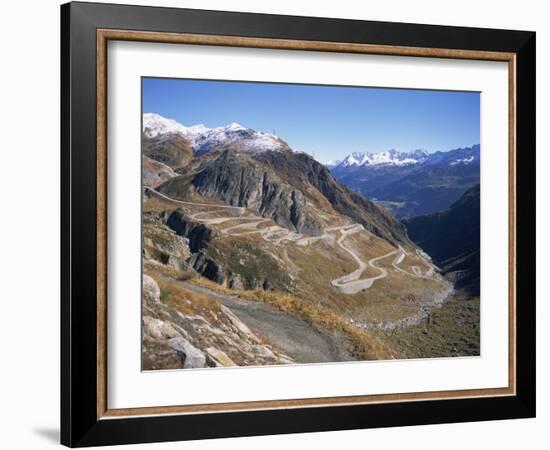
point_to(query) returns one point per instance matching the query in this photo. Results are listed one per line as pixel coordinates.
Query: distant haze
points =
(329, 122)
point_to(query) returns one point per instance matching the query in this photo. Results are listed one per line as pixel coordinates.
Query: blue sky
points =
(327, 121)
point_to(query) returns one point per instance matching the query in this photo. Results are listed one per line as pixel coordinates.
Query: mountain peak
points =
(388, 157)
(235, 126)
(204, 139)
(155, 125)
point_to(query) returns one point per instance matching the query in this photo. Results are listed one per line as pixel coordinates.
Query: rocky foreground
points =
(174, 340)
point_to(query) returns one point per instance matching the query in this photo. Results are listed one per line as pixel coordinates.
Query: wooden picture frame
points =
(86, 418)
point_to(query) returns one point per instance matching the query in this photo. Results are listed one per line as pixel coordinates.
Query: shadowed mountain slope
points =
(452, 237)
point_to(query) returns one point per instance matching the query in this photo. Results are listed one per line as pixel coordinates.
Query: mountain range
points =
(291, 188)
(277, 196)
(406, 183)
(243, 237)
(390, 157)
(203, 139)
(411, 183)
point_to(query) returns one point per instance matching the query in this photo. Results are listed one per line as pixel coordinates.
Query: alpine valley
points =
(256, 254)
(411, 183)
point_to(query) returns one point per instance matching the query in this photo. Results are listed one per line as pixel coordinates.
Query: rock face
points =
(163, 244)
(240, 266)
(197, 233)
(197, 236)
(239, 180)
(208, 268)
(308, 175)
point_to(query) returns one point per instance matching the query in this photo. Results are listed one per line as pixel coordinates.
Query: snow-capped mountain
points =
(204, 139)
(155, 125)
(412, 183)
(389, 157)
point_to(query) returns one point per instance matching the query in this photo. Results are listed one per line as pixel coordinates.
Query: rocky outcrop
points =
(197, 236)
(164, 244)
(208, 268)
(239, 180)
(155, 173)
(243, 266)
(196, 233)
(191, 356)
(177, 338)
(157, 329)
(235, 282)
(151, 290)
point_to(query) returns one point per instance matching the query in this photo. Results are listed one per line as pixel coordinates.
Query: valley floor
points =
(451, 330)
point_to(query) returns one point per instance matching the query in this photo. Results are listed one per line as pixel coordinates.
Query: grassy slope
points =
(453, 330)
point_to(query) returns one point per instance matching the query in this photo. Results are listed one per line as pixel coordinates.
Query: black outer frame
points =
(79, 423)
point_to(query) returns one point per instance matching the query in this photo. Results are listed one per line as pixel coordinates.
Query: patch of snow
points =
(389, 157)
(204, 139)
(154, 125)
(467, 160)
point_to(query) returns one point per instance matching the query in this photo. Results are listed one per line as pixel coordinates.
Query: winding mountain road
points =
(350, 283)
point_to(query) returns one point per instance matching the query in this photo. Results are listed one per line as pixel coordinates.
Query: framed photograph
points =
(276, 224)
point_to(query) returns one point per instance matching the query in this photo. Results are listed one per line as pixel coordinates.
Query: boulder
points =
(238, 323)
(219, 357)
(151, 290)
(192, 357)
(235, 282)
(158, 329)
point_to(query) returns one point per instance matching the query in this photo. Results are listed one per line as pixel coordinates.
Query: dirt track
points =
(293, 336)
(351, 283)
